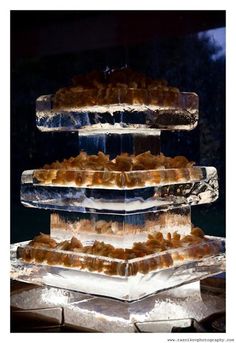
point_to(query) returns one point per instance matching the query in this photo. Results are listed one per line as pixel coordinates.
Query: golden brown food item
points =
(115, 86)
(122, 171)
(43, 240)
(193, 248)
(196, 231)
(64, 245)
(122, 162)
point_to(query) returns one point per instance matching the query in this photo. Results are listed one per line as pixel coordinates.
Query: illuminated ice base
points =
(156, 313)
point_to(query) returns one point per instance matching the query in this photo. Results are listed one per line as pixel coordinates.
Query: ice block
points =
(156, 111)
(119, 230)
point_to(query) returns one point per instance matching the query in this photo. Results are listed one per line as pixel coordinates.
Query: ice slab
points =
(181, 113)
(118, 192)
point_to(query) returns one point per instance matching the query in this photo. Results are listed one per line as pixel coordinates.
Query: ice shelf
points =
(106, 179)
(146, 190)
(122, 279)
(179, 114)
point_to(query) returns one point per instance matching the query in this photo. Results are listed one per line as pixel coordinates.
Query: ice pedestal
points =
(130, 141)
(119, 230)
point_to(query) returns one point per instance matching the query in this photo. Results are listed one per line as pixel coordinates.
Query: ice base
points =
(157, 313)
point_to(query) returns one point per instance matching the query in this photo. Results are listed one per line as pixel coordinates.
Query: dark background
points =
(49, 47)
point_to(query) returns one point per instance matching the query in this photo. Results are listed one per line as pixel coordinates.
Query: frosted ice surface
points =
(106, 315)
(43, 297)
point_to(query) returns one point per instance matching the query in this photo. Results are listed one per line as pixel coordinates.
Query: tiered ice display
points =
(123, 234)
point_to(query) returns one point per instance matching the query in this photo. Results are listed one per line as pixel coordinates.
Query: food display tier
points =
(116, 180)
(174, 187)
(120, 231)
(126, 280)
(152, 111)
